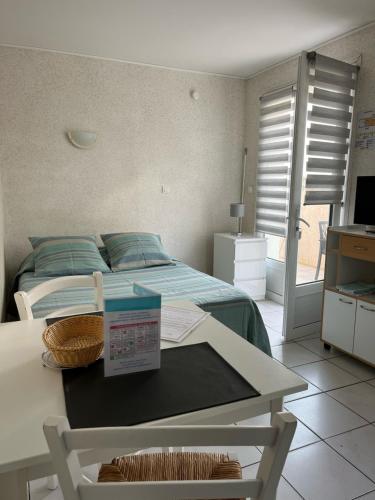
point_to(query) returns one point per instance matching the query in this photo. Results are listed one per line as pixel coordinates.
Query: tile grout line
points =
(333, 435)
(322, 391)
(293, 488)
(349, 462)
(318, 354)
(363, 496)
(323, 359)
(334, 357)
(285, 479)
(347, 407)
(342, 404)
(324, 440)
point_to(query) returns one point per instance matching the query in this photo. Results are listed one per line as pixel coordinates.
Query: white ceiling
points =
(232, 37)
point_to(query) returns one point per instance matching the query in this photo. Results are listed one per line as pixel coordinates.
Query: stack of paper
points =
(177, 322)
(357, 288)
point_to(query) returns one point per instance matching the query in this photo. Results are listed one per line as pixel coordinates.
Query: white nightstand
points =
(241, 261)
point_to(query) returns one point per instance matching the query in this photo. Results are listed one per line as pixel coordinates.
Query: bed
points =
(227, 304)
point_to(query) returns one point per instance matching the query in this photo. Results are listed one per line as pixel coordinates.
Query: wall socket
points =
(250, 189)
(165, 189)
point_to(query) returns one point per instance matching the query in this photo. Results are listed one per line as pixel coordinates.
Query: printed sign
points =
(366, 130)
(132, 332)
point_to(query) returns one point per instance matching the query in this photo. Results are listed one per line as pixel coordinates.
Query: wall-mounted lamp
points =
(82, 138)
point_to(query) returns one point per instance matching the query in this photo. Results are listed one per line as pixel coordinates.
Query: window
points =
(274, 161)
(329, 123)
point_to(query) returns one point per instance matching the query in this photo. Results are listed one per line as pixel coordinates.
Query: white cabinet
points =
(364, 336)
(349, 320)
(241, 261)
(338, 320)
(349, 324)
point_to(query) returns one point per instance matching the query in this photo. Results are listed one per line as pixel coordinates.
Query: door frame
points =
(338, 215)
(298, 156)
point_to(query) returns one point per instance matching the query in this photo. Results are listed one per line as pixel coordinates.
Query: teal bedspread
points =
(227, 304)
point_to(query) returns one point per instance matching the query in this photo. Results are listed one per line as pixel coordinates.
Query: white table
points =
(30, 392)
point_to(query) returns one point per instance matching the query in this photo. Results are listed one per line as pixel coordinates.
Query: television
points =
(364, 211)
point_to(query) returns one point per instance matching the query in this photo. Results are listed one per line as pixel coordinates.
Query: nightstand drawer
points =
(255, 288)
(358, 248)
(246, 250)
(249, 269)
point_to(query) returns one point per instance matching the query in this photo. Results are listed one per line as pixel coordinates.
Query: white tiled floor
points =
(332, 455)
(338, 408)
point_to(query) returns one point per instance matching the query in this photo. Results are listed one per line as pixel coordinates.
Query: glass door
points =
(322, 136)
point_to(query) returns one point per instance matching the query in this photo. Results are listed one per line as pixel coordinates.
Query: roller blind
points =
(275, 148)
(332, 86)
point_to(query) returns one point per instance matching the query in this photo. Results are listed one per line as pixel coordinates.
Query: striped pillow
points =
(135, 250)
(67, 256)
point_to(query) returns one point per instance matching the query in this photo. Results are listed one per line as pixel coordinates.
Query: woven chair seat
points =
(170, 467)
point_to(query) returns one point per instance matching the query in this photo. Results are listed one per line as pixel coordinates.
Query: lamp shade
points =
(237, 209)
(82, 139)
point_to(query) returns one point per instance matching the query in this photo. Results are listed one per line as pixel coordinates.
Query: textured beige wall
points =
(347, 49)
(150, 132)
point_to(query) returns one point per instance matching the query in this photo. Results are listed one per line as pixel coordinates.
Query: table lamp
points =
(238, 210)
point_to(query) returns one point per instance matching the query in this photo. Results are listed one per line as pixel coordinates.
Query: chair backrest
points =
(64, 442)
(323, 227)
(25, 300)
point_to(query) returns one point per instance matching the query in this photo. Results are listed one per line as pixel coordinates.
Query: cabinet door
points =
(364, 338)
(338, 320)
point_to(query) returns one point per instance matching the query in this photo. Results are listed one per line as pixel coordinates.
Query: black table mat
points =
(191, 378)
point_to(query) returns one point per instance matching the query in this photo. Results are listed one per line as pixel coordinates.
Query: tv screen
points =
(364, 212)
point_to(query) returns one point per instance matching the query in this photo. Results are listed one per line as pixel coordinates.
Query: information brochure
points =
(178, 322)
(132, 332)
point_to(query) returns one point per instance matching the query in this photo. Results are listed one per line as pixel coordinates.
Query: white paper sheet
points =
(177, 323)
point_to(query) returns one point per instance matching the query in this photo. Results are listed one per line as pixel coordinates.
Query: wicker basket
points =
(76, 341)
(185, 466)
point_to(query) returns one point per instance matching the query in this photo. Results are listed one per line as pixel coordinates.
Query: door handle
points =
(367, 309)
(303, 220)
(345, 301)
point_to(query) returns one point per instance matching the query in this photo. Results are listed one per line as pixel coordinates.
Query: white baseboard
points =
(275, 297)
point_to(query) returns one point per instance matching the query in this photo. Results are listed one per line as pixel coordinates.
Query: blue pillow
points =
(135, 251)
(67, 256)
(27, 265)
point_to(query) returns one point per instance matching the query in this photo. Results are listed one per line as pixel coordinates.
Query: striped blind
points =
(274, 161)
(329, 122)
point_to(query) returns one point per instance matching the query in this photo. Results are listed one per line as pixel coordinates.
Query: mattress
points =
(229, 305)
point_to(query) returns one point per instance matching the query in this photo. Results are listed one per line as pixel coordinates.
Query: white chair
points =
(63, 443)
(323, 226)
(25, 300)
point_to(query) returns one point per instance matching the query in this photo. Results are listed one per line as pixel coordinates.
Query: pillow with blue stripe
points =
(67, 256)
(135, 251)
